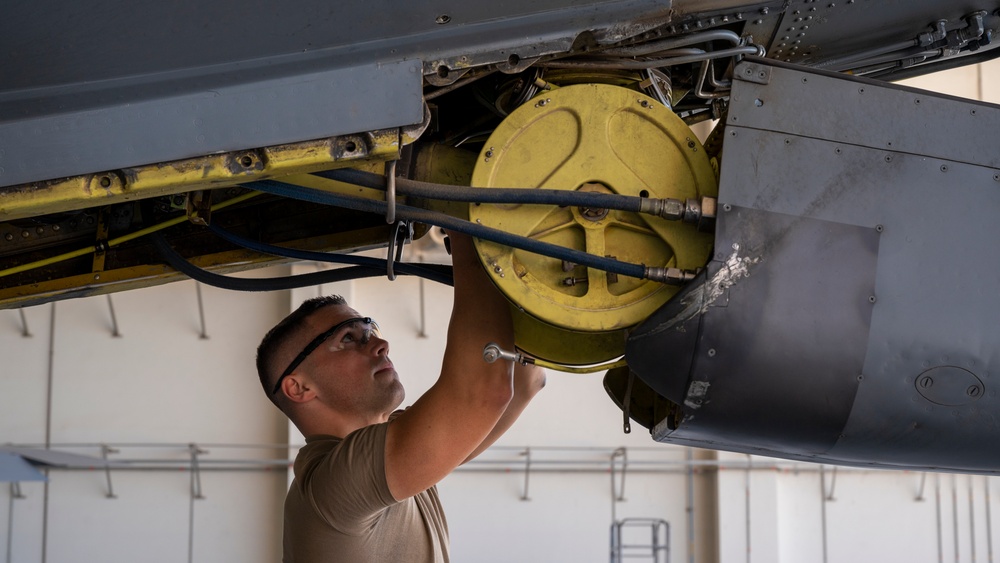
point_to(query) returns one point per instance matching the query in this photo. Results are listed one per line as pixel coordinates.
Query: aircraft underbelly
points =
(850, 312)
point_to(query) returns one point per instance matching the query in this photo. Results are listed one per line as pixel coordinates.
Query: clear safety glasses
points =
(352, 333)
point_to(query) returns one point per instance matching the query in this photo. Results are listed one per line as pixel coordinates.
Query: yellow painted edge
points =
(204, 172)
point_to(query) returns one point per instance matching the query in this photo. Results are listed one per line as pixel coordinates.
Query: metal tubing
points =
(972, 522)
(201, 313)
(48, 428)
(615, 496)
(752, 50)
(422, 333)
(105, 450)
(527, 473)
(843, 63)
(24, 324)
(114, 319)
(920, 490)
(954, 514)
(15, 493)
(390, 192)
(747, 504)
(937, 510)
(833, 485)
(699, 90)
(989, 521)
(672, 43)
(196, 472)
(822, 490)
(689, 477)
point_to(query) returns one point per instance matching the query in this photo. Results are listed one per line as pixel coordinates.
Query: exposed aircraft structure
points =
(813, 281)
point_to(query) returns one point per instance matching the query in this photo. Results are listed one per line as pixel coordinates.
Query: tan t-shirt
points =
(339, 507)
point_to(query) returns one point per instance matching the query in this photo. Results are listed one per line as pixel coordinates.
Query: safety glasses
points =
(356, 331)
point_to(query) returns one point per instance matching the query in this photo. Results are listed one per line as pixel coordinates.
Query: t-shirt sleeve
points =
(347, 486)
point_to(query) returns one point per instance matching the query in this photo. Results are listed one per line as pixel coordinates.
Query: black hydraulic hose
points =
(639, 271)
(447, 192)
(433, 272)
(180, 264)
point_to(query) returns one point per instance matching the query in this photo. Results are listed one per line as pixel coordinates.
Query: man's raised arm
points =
(450, 422)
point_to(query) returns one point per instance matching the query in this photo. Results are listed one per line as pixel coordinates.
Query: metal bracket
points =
(201, 313)
(24, 324)
(833, 485)
(15, 490)
(527, 472)
(114, 319)
(395, 252)
(618, 493)
(199, 207)
(753, 72)
(920, 490)
(105, 450)
(101, 240)
(196, 471)
(627, 404)
(390, 191)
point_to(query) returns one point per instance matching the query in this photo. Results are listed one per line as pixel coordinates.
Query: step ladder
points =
(627, 540)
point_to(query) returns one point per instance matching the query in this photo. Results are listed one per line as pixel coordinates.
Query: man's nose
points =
(379, 345)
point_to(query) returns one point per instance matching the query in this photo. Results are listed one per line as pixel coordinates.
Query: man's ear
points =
(297, 388)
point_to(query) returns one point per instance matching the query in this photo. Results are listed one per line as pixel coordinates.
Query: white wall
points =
(158, 383)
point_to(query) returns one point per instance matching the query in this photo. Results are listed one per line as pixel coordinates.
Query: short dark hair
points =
(280, 334)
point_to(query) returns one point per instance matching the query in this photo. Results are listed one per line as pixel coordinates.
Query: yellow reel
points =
(589, 137)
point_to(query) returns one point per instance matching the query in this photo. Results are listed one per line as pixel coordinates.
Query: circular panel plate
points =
(602, 138)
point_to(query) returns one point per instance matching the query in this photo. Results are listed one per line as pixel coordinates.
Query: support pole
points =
(114, 319)
(747, 504)
(24, 324)
(954, 515)
(920, 489)
(527, 472)
(195, 495)
(201, 313)
(822, 495)
(989, 522)
(972, 521)
(105, 450)
(15, 493)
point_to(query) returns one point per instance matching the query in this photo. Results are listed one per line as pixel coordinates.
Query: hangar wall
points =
(159, 388)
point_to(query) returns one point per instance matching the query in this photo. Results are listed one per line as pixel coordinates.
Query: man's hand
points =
(454, 418)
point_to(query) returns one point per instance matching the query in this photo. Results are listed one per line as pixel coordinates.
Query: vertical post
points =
(195, 495)
(920, 490)
(201, 313)
(822, 491)
(48, 429)
(527, 472)
(105, 450)
(24, 324)
(114, 318)
(954, 514)
(937, 510)
(972, 522)
(15, 493)
(423, 314)
(618, 492)
(747, 505)
(689, 500)
(989, 523)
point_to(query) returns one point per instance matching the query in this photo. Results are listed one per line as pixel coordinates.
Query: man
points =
(364, 487)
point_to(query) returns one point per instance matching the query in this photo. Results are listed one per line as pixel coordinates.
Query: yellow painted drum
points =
(589, 137)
